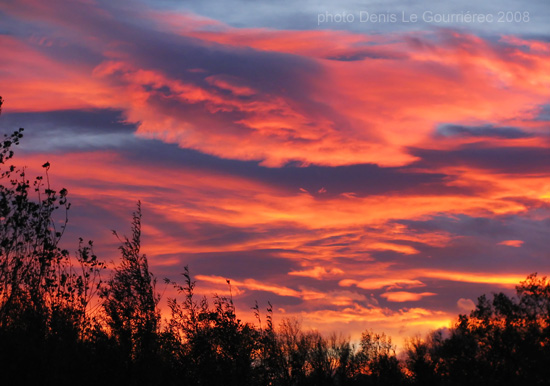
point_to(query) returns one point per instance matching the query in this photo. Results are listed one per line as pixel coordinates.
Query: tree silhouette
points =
(420, 359)
(378, 363)
(503, 341)
(130, 302)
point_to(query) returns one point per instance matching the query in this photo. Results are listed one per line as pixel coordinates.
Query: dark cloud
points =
(257, 264)
(362, 179)
(514, 159)
(70, 130)
(461, 225)
(266, 71)
(449, 292)
(193, 60)
(97, 121)
(544, 114)
(475, 243)
(486, 131)
(366, 53)
(95, 219)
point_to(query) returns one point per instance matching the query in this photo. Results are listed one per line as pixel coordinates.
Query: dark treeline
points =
(61, 324)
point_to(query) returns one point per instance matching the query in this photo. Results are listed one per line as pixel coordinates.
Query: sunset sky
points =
(359, 174)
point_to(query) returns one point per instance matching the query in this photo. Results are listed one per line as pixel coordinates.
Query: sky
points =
(359, 164)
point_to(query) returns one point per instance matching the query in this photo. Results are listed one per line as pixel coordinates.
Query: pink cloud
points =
(403, 296)
(512, 243)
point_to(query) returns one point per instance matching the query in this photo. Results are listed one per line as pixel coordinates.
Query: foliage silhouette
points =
(130, 303)
(505, 341)
(219, 347)
(44, 293)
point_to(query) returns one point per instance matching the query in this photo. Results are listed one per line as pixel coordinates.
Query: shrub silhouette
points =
(44, 293)
(219, 347)
(130, 304)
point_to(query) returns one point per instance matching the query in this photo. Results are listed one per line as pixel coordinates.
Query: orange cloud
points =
(512, 243)
(405, 249)
(318, 272)
(509, 280)
(378, 283)
(403, 296)
(255, 285)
